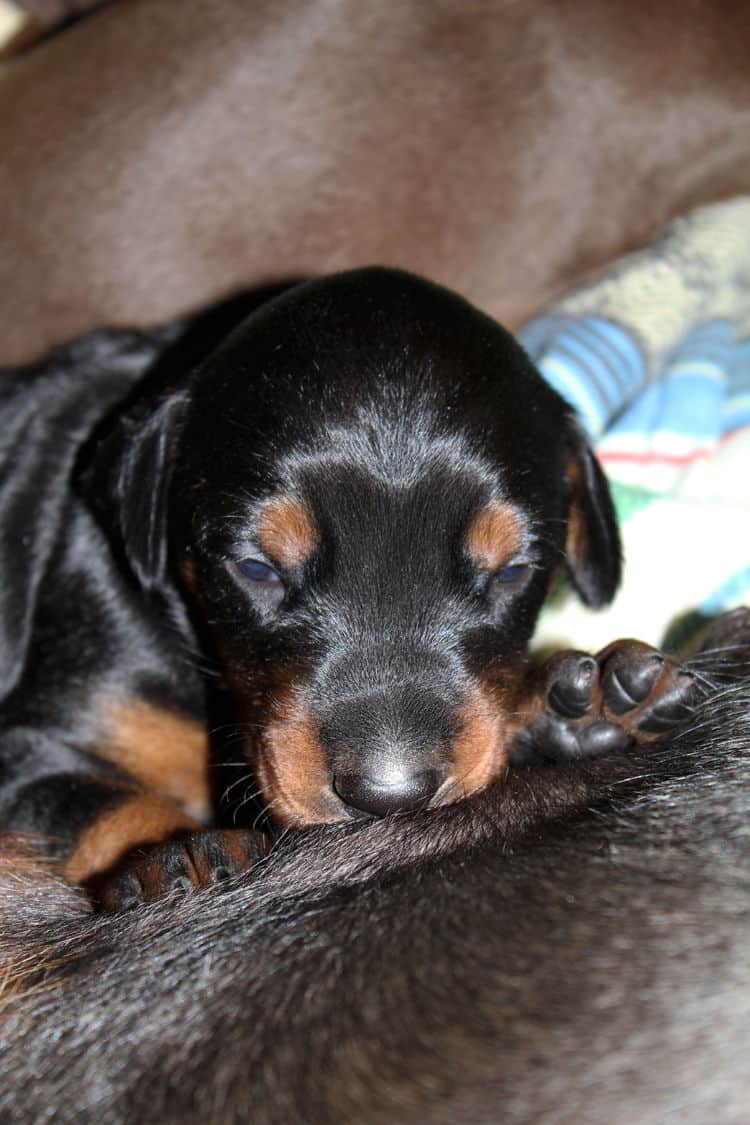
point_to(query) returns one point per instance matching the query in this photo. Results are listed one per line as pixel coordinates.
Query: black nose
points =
(396, 792)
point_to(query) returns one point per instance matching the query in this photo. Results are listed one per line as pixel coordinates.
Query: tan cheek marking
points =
(479, 752)
(165, 751)
(494, 537)
(287, 533)
(490, 719)
(292, 769)
(140, 820)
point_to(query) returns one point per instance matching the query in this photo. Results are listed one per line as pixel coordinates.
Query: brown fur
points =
(140, 819)
(479, 753)
(494, 537)
(287, 533)
(576, 544)
(164, 751)
(292, 768)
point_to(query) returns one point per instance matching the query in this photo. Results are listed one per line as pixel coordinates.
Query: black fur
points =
(571, 947)
(392, 413)
(565, 945)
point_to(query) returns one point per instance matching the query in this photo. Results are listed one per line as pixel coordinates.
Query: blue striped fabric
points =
(736, 408)
(593, 363)
(702, 392)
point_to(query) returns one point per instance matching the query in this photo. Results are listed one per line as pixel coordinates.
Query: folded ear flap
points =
(127, 485)
(593, 552)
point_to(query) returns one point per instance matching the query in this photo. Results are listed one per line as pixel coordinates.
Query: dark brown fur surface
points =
(158, 156)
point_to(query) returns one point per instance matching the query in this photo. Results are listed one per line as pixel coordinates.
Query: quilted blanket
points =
(655, 358)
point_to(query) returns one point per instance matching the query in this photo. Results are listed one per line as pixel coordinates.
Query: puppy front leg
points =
(86, 822)
(581, 706)
(124, 844)
(627, 695)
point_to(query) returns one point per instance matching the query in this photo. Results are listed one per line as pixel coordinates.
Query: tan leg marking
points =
(165, 751)
(141, 819)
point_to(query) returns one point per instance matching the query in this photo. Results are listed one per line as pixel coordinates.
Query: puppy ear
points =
(127, 485)
(46, 411)
(593, 552)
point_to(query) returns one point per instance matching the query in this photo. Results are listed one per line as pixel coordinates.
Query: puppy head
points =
(370, 490)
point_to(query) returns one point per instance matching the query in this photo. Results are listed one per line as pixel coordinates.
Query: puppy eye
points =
(512, 575)
(256, 571)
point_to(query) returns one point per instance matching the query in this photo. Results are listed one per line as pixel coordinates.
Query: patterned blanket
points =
(655, 358)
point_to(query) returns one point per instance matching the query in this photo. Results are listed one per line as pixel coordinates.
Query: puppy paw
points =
(583, 706)
(196, 859)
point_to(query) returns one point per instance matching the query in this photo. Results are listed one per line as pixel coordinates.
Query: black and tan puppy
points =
(354, 508)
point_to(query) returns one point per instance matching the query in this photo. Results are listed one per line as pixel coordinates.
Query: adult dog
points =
(354, 508)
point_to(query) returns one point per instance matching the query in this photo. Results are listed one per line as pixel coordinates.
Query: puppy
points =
(353, 509)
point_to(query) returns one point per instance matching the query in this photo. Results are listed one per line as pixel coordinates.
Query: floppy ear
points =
(37, 461)
(592, 552)
(46, 411)
(127, 485)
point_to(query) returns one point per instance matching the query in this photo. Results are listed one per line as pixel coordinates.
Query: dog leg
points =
(583, 706)
(629, 694)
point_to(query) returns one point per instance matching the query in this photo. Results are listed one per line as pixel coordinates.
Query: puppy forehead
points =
(371, 342)
(426, 501)
(388, 473)
(430, 410)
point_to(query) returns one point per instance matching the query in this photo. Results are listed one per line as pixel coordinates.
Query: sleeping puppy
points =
(353, 509)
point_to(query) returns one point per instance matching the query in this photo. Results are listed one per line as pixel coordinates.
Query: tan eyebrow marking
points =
(494, 536)
(287, 533)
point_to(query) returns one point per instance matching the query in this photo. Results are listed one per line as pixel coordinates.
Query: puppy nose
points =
(395, 792)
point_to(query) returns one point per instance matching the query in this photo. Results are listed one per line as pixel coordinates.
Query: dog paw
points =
(196, 859)
(583, 706)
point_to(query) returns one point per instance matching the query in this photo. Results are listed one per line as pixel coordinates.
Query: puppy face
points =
(371, 492)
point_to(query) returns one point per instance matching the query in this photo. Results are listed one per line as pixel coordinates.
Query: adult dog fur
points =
(569, 947)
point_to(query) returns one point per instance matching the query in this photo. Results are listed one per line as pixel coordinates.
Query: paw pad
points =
(587, 706)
